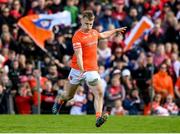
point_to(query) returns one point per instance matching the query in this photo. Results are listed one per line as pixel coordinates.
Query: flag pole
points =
(39, 87)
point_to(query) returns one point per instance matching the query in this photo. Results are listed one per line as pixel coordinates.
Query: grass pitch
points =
(86, 124)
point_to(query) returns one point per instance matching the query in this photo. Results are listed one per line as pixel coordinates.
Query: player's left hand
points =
(121, 30)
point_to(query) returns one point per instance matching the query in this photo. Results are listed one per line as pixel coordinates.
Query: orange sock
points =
(107, 112)
(98, 114)
(61, 101)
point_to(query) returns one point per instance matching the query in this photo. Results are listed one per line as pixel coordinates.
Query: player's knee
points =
(100, 93)
(92, 82)
(92, 79)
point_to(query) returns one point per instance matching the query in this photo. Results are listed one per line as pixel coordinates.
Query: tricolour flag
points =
(142, 26)
(39, 27)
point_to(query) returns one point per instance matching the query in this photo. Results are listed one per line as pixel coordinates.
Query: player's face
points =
(87, 24)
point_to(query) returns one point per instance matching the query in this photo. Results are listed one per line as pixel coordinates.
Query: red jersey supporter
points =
(168, 49)
(23, 100)
(153, 7)
(115, 92)
(171, 106)
(47, 98)
(119, 12)
(16, 12)
(157, 109)
(32, 80)
(33, 85)
(115, 42)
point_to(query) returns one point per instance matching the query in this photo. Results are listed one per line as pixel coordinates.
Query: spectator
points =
(171, 33)
(39, 7)
(152, 48)
(52, 48)
(175, 64)
(171, 106)
(2, 60)
(64, 67)
(115, 42)
(103, 51)
(162, 82)
(17, 10)
(119, 12)
(8, 41)
(97, 10)
(47, 98)
(157, 109)
(28, 70)
(156, 35)
(168, 49)
(160, 56)
(170, 69)
(90, 104)
(62, 46)
(4, 95)
(70, 6)
(24, 99)
(131, 17)
(53, 74)
(175, 48)
(142, 77)
(127, 81)
(78, 102)
(22, 61)
(56, 6)
(132, 103)
(118, 56)
(114, 92)
(5, 17)
(139, 5)
(33, 85)
(14, 74)
(5, 28)
(107, 19)
(104, 77)
(177, 91)
(118, 109)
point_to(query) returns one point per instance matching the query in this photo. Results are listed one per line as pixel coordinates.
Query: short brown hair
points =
(88, 14)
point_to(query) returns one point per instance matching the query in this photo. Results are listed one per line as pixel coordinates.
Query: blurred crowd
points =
(142, 81)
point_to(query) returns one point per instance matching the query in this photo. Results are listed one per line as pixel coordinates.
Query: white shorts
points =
(90, 77)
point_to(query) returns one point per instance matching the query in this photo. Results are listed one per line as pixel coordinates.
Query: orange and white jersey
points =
(88, 42)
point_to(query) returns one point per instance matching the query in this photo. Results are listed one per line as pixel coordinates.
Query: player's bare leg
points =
(98, 104)
(66, 95)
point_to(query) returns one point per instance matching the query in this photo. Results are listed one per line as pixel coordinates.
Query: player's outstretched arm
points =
(111, 32)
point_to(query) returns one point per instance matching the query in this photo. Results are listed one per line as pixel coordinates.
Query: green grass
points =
(85, 124)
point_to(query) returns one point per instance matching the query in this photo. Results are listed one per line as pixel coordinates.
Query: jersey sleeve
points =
(76, 42)
(97, 33)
